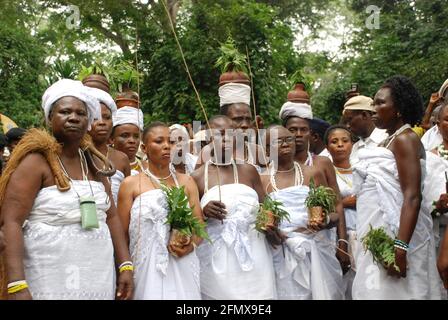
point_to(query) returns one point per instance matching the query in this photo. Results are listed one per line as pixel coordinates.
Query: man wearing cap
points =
(358, 117)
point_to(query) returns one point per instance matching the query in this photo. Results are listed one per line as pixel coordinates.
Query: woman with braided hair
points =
(62, 230)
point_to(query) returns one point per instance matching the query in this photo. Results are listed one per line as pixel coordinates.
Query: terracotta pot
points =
(127, 98)
(299, 94)
(178, 239)
(97, 81)
(234, 77)
(316, 215)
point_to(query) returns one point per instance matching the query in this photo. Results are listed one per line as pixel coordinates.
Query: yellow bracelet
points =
(17, 288)
(126, 268)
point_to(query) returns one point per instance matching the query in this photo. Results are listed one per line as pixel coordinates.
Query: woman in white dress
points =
(388, 182)
(61, 227)
(101, 132)
(237, 265)
(143, 208)
(306, 266)
(338, 140)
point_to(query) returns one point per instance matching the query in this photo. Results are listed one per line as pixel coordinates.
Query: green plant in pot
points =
(126, 78)
(381, 246)
(270, 214)
(321, 201)
(232, 64)
(95, 76)
(181, 218)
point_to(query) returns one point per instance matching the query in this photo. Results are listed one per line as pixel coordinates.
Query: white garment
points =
(103, 97)
(345, 184)
(238, 264)
(325, 153)
(379, 202)
(62, 260)
(157, 274)
(376, 137)
(115, 182)
(294, 109)
(128, 115)
(309, 268)
(434, 186)
(432, 138)
(71, 88)
(231, 93)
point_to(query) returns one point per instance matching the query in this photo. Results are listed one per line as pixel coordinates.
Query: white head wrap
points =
(104, 97)
(294, 109)
(177, 126)
(128, 115)
(234, 93)
(443, 88)
(70, 88)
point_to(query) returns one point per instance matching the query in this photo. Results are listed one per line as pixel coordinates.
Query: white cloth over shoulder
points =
(128, 115)
(238, 264)
(294, 109)
(432, 138)
(71, 88)
(309, 268)
(115, 182)
(379, 202)
(62, 260)
(158, 275)
(234, 93)
(103, 97)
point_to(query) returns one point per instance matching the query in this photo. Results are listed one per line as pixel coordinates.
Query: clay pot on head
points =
(127, 99)
(316, 215)
(234, 77)
(299, 94)
(97, 81)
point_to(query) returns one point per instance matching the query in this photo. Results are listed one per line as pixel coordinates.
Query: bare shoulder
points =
(324, 162)
(130, 182)
(408, 142)
(34, 164)
(250, 169)
(118, 155)
(316, 173)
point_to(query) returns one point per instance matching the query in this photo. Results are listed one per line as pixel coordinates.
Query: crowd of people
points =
(84, 214)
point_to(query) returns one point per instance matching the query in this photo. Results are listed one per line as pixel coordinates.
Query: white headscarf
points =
(128, 115)
(234, 93)
(104, 97)
(293, 109)
(71, 88)
(181, 128)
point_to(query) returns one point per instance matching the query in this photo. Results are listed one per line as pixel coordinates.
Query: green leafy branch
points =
(180, 215)
(321, 196)
(231, 59)
(270, 210)
(381, 246)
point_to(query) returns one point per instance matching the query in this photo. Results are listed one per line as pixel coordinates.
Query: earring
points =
(398, 114)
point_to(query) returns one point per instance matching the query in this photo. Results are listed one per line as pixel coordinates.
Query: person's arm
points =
(125, 282)
(125, 201)
(406, 151)
(442, 262)
(425, 124)
(256, 181)
(22, 189)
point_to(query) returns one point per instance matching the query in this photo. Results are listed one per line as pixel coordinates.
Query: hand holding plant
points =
(321, 202)
(184, 225)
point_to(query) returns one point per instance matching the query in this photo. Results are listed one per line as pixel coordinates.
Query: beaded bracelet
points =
(126, 268)
(343, 240)
(17, 286)
(399, 244)
(126, 263)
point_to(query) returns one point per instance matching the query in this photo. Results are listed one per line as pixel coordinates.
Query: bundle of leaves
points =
(321, 196)
(180, 215)
(270, 212)
(231, 59)
(124, 75)
(98, 67)
(381, 246)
